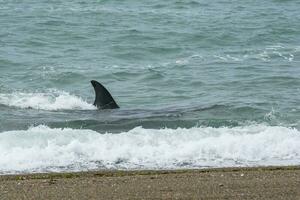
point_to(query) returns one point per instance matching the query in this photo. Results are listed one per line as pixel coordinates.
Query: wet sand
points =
(225, 183)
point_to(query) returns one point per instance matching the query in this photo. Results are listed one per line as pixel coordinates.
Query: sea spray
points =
(41, 148)
(51, 100)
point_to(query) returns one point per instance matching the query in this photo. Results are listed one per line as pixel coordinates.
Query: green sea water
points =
(182, 63)
(168, 64)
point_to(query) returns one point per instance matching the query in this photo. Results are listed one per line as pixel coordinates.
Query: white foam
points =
(52, 100)
(44, 149)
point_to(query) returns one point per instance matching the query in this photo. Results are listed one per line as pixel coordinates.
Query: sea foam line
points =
(45, 149)
(52, 100)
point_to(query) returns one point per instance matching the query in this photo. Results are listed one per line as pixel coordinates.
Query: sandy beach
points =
(225, 183)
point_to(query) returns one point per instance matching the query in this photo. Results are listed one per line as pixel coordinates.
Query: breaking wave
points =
(42, 149)
(52, 100)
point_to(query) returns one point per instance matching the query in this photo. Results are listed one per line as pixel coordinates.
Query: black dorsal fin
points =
(103, 98)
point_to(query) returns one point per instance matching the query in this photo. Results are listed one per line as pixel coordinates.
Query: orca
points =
(103, 99)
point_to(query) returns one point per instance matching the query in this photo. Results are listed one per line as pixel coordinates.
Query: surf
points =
(49, 100)
(44, 149)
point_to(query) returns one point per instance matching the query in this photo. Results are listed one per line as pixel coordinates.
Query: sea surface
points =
(200, 84)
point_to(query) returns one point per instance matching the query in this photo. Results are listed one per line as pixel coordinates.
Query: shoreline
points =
(274, 182)
(120, 173)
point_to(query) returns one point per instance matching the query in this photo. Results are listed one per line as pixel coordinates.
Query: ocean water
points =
(200, 84)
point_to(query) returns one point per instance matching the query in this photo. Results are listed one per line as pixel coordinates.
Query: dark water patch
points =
(126, 119)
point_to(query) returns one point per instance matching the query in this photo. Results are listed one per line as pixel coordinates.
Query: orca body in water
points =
(103, 99)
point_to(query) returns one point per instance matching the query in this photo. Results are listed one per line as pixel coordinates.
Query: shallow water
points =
(179, 71)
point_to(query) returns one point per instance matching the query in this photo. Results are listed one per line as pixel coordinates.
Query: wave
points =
(52, 100)
(42, 149)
